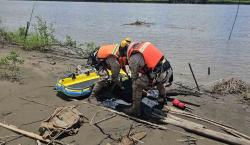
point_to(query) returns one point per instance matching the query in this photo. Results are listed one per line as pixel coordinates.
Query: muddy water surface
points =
(186, 33)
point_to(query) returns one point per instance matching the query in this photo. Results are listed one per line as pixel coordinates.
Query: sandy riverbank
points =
(37, 81)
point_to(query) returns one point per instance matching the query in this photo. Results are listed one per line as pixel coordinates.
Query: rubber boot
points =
(135, 109)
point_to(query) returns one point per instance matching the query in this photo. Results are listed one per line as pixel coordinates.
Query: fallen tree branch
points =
(223, 126)
(201, 130)
(134, 118)
(226, 128)
(28, 134)
(127, 116)
(187, 125)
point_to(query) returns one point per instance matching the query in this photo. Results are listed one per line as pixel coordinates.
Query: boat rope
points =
(235, 18)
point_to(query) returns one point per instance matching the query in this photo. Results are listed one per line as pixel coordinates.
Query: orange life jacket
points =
(111, 50)
(152, 55)
(108, 50)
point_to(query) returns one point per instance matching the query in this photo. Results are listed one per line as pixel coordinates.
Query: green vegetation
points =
(70, 42)
(9, 66)
(40, 40)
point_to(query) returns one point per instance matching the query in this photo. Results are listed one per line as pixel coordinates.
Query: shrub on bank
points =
(40, 39)
(9, 66)
(70, 42)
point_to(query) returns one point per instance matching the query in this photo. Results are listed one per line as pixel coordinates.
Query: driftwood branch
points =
(191, 115)
(187, 125)
(225, 127)
(149, 124)
(201, 130)
(127, 116)
(28, 134)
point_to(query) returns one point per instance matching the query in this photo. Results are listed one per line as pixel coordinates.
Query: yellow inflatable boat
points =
(73, 85)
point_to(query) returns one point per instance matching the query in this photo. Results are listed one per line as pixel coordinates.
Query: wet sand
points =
(37, 81)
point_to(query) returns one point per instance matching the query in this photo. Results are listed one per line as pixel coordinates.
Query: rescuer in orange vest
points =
(112, 57)
(148, 68)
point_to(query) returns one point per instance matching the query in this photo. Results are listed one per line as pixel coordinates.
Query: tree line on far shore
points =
(168, 1)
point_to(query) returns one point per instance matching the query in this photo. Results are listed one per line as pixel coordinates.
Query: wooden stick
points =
(229, 130)
(34, 101)
(180, 112)
(222, 126)
(225, 127)
(105, 119)
(26, 133)
(127, 116)
(194, 77)
(134, 118)
(234, 132)
(201, 130)
(92, 119)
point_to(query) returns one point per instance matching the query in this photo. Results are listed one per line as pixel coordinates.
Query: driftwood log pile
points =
(231, 86)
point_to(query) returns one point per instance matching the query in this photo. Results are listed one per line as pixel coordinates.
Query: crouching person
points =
(107, 58)
(149, 68)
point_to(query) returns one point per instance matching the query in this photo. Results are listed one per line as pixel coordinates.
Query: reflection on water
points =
(186, 33)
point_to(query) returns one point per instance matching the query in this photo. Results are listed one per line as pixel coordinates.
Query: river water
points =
(196, 34)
